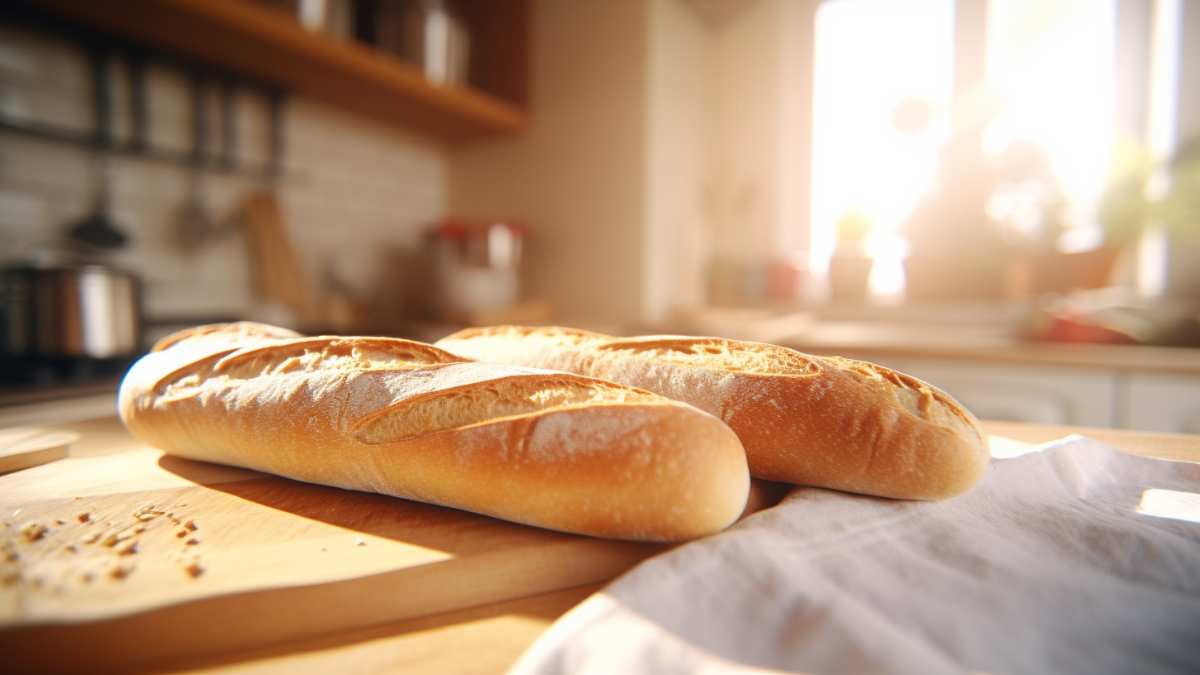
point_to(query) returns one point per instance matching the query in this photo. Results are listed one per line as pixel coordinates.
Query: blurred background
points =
(1001, 196)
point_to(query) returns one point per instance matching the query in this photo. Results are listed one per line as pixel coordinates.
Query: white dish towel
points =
(1073, 558)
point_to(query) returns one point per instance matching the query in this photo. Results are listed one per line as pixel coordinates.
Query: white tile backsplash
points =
(353, 188)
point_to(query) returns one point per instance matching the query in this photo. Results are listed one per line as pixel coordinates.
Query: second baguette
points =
(810, 420)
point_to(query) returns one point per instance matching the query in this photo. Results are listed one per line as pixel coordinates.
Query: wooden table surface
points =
(490, 638)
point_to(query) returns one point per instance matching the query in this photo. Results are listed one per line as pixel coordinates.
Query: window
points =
(883, 105)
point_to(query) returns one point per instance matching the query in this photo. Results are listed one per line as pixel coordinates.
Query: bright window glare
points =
(1170, 504)
(1049, 65)
(871, 57)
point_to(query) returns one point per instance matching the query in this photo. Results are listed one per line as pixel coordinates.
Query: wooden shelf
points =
(268, 44)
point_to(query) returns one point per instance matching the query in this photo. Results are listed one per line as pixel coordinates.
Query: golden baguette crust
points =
(403, 418)
(810, 420)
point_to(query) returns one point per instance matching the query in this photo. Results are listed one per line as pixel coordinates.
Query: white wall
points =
(679, 95)
(354, 187)
(763, 120)
(576, 177)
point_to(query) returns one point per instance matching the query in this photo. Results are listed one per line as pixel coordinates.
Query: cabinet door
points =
(1013, 393)
(1163, 403)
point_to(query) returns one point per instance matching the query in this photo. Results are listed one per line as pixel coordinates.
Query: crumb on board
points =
(148, 512)
(115, 538)
(121, 571)
(194, 569)
(360, 542)
(34, 531)
(181, 534)
(191, 525)
(129, 549)
(72, 548)
(91, 538)
(60, 522)
(84, 517)
(193, 541)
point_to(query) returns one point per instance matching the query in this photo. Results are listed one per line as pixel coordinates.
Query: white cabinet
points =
(1162, 403)
(1037, 395)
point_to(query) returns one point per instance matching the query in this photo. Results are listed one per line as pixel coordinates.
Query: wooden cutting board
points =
(134, 558)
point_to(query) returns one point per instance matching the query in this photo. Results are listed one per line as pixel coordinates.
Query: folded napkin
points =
(1076, 558)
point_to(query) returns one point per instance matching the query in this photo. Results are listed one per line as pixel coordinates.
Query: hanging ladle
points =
(194, 224)
(97, 228)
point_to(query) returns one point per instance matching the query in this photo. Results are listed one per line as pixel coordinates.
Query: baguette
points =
(403, 418)
(810, 420)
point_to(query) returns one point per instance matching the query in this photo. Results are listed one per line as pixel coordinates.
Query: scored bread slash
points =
(407, 419)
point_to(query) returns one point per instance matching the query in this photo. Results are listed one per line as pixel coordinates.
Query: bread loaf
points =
(810, 420)
(403, 418)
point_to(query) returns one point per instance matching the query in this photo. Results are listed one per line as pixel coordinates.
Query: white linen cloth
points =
(1052, 564)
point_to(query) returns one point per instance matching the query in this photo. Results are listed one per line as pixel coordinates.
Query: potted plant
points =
(1162, 196)
(850, 267)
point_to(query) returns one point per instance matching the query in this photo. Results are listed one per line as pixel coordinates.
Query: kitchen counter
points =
(490, 637)
(897, 337)
(903, 341)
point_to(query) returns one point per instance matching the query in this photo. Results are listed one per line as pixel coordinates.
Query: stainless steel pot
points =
(70, 310)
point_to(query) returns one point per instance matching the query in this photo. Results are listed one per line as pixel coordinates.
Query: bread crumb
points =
(121, 571)
(191, 525)
(148, 512)
(181, 534)
(91, 538)
(84, 517)
(72, 548)
(193, 541)
(194, 569)
(34, 531)
(128, 533)
(360, 542)
(60, 522)
(129, 549)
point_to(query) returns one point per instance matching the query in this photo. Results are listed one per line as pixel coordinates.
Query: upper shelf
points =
(266, 43)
